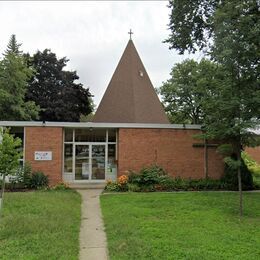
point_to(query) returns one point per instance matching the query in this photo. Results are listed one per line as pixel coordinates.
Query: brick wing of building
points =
(130, 130)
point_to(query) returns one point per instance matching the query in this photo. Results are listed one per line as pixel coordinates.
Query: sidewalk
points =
(93, 245)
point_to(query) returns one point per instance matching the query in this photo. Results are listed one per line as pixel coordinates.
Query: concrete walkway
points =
(93, 245)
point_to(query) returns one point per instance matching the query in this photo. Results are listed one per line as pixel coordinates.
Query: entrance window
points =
(68, 135)
(68, 157)
(89, 154)
(90, 135)
(111, 162)
(112, 135)
(82, 170)
(98, 162)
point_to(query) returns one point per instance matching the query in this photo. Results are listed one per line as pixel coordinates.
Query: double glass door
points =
(90, 161)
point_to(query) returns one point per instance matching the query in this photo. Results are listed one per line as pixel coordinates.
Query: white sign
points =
(42, 156)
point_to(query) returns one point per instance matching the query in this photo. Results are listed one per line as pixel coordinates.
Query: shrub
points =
(38, 180)
(112, 186)
(148, 176)
(24, 175)
(231, 180)
(251, 164)
(169, 184)
(61, 186)
(133, 177)
(133, 187)
(206, 184)
(165, 183)
(122, 182)
(21, 178)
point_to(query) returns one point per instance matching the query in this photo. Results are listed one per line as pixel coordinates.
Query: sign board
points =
(42, 156)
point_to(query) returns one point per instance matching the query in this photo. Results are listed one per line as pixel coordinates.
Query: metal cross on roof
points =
(130, 33)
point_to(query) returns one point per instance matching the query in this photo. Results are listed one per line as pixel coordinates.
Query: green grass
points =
(40, 225)
(191, 225)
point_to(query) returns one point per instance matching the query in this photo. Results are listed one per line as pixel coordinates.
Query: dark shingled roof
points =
(130, 96)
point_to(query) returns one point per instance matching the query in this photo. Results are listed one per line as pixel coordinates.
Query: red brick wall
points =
(170, 148)
(45, 139)
(254, 153)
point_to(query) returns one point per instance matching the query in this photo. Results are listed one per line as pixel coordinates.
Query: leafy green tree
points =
(90, 116)
(9, 158)
(184, 93)
(55, 90)
(14, 76)
(229, 32)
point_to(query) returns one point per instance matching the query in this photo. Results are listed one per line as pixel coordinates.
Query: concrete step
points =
(86, 186)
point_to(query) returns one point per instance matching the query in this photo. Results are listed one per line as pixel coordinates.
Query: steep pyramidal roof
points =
(130, 96)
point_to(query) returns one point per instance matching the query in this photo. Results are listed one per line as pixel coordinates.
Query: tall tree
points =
(55, 90)
(229, 32)
(13, 47)
(184, 93)
(14, 76)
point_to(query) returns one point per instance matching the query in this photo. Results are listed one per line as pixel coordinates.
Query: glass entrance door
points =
(90, 161)
(98, 159)
(82, 162)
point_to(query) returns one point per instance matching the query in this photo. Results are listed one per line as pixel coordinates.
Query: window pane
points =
(112, 135)
(98, 162)
(90, 135)
(111, 162)
(68, 153)
(68, 135)
(82, 166)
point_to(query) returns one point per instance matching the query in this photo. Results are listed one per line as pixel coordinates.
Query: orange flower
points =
(122, 180)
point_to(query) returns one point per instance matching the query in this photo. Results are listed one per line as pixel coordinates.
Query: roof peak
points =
(130, 96)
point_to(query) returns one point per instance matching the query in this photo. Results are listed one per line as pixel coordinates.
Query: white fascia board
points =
(97, 125)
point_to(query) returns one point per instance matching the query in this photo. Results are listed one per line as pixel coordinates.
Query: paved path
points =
(93, 245)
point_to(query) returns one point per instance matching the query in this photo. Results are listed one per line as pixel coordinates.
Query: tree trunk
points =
(206, 158)
(2, 195)
(239, 182)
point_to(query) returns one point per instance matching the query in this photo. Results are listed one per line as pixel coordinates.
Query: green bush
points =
(24, 175)
(133, 187)
(61, 186)
(148, 176)
(251, 164)
(38, 180)
(206, 184)
(154, 178)
(12, 185)
(170, 184)
(112, 186)
(231, 179)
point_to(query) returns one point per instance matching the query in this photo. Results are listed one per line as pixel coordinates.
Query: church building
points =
(130, 130)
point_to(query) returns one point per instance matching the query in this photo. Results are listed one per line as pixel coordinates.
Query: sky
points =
(92, 35)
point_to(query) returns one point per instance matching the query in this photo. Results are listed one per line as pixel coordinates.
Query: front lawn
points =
(40, 225)
(185, 225)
